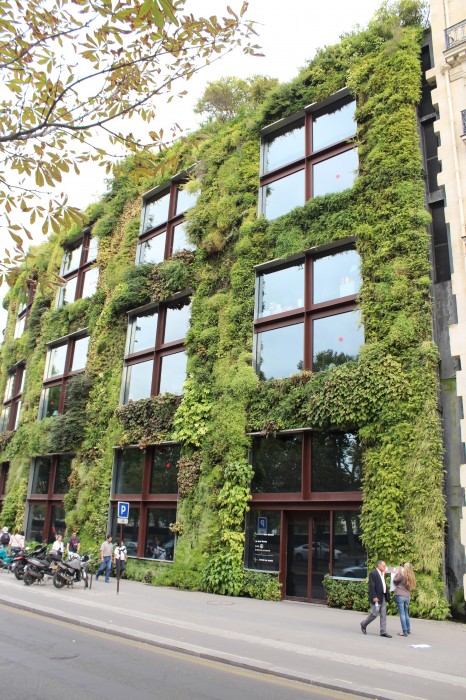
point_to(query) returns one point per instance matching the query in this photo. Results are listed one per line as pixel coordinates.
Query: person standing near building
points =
(120, 555)
(379, 595)
(106, 552)
(17, 541)
(5, 538)
(405, 582)
(73, 545)
(58, 545)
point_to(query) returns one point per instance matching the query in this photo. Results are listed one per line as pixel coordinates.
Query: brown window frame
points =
(24, 309)
(310, 157)
(61, 380)
(158, 351)
(78, 272)
(14, 401)
(49, 499)
(167, 226)
(142, 501)
(310, 311)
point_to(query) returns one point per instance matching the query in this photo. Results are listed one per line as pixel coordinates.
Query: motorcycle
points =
(20, 561)
(7, 560)
(37, 569)
(72, 571)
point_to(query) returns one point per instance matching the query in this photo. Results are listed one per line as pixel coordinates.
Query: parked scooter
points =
(7, 560)
(72, 571)
(37, 569)
(21, 560)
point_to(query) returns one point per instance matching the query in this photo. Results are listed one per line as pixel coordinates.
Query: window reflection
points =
(279, 352)
(336, 275)
(71, 259)
(81, 347)
(50, 401)
(36, 522)
(130, 531)
(173, 373)
(284, 148)
(156, 211)
(40, 481)
(335, 174)
(56, 361)
(281, 196)
(160, 540)
(281, 290)
(91, 279)
(347, 533)
(336, 462)
(93, 249)
(63, 470)
(138, 381)
(142, 331)
(177, 321)
(277, 464)
(164, 469)
(185, 200)
(180, 239)
(332, 127)
(336, 339)
(130, 467)
(152, 251)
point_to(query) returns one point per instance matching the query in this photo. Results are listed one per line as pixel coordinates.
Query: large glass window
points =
(277, 464)
(155, 361)
(262, 549)
(148, 480)
(63, 361)
(349, 555)
(295, 168)
(11, 409)
(306, 315)
(81, 277)
(336, 462)
(49, 482)
(163, 231)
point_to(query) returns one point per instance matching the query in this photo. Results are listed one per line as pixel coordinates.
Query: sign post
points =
(122, 519)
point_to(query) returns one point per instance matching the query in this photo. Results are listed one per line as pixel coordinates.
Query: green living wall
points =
(389, 394)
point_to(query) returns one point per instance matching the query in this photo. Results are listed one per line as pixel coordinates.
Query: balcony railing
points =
(455, 35)
(463, 121)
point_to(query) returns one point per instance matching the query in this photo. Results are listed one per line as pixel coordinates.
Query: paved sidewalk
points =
(310, 643)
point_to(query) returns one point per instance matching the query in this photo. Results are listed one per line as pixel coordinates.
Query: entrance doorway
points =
(308, 555)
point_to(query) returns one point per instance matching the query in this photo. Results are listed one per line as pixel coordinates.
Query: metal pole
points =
(119, 560)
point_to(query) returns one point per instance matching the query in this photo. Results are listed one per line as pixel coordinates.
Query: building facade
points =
(246, 348)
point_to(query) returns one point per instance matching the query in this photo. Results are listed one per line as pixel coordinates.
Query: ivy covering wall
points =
(389, 394)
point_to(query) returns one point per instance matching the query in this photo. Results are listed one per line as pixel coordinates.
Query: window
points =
(63, 361)
(349, 555)
(308, 155)
(148, 480)
(155, 360)
(48, 484)
(306, 315)
(163, 229)
(78, 271)
(11, 409)
(25, 299)
(307, 463)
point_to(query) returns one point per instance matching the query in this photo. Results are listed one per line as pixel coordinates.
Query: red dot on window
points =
(337, 176)
(167, 465)
(340, 339)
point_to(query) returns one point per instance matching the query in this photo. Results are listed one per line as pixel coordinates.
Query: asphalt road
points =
(44, 659)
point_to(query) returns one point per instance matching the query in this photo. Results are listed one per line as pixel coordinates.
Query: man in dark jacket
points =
(378, 594)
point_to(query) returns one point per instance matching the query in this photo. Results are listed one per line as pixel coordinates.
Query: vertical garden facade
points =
(243, 347)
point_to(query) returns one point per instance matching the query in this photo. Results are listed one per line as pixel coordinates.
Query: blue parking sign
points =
(262, 525)
(123, 509)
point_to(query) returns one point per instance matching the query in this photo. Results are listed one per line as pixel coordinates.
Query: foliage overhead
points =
(73, 70)
(223, 99)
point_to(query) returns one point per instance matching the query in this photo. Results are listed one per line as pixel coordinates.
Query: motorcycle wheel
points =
(58, 581)
(19, 572)
(28, 579)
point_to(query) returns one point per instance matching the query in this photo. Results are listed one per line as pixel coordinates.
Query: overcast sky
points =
(289, 34)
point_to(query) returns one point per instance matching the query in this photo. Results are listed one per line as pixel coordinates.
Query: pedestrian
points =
(5, 538)
(120, 555)
(405, 582)
(379, 595)
(73, 545)
(58, 547)
(17, 541)
(106, 552)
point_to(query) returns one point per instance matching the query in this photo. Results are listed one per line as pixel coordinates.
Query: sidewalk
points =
(310, 643)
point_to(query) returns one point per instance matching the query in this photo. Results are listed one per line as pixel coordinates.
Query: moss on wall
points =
(389, 394)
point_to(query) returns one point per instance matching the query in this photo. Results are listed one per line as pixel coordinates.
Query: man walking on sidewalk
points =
(379, 595)
(106, 551)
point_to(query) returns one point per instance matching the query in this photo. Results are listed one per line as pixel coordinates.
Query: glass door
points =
(307, 555)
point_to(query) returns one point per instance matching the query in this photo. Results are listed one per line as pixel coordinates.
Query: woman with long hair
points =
(405, 583)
